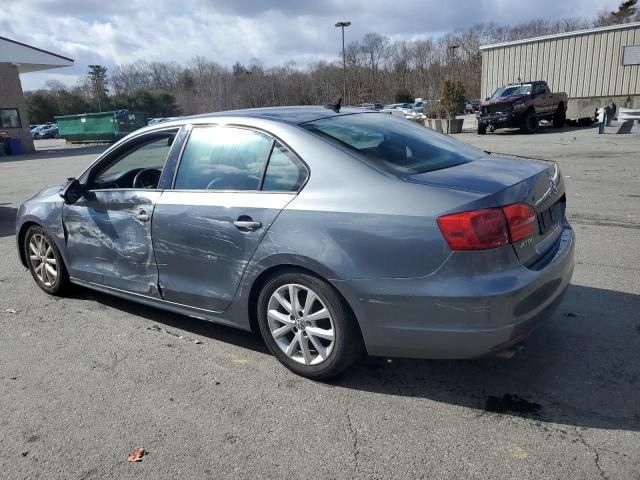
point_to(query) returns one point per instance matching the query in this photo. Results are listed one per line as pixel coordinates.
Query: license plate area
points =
(550, 219)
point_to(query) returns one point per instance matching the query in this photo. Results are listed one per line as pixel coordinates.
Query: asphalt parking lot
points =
(85, 380)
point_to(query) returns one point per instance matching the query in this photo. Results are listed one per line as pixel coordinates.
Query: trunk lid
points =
(509, 180)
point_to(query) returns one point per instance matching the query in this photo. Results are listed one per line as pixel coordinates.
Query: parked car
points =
(371, 106)
(47, 131)
(153, 121)
(36, 129)
(522, 105)
(418, 106)
(330, 232)
(396, 106)
(471, 106)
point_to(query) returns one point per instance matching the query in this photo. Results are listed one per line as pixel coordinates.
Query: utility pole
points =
(344, 61)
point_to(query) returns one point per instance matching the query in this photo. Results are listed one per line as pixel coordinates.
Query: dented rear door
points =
(203, 242)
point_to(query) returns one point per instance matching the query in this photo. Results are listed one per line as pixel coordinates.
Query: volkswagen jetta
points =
(332, 233)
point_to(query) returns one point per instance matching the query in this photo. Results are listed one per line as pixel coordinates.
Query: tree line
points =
(377, 70)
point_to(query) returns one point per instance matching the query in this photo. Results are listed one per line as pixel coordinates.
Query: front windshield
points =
(512, 90)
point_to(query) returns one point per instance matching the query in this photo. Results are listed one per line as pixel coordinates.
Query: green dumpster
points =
(100, 127)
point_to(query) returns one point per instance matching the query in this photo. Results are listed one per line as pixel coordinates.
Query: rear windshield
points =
(394, 144)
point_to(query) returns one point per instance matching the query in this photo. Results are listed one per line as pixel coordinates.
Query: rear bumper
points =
(456, 314)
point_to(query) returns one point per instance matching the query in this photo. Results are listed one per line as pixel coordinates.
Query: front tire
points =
(482, 129)
(530, 123)
(45, 262)
(307, 326)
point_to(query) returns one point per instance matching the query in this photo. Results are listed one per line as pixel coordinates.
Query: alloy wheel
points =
(301, 324)
(43, 260)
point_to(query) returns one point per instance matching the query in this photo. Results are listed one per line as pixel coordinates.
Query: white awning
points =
(28, 58)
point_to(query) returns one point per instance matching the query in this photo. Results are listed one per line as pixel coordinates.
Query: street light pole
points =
(344, 61)
(452, 50)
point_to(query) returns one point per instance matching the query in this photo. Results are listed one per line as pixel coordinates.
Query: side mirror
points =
(72, 191)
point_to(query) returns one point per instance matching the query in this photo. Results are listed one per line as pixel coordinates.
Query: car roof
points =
(292, 115)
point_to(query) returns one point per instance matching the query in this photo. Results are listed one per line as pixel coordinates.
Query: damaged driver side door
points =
(108, 228)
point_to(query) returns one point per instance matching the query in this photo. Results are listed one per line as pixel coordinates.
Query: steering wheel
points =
(147, 178)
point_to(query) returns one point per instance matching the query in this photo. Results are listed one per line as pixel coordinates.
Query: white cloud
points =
(112, 32)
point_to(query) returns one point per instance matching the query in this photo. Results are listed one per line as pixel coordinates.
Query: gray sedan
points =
(332, 233)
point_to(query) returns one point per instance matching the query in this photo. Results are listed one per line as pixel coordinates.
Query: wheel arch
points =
(263, 277)
(20, 240)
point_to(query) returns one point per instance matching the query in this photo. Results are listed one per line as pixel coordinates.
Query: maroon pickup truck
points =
(522, 106)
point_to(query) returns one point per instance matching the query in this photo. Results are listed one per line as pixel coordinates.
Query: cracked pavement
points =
(84, 380)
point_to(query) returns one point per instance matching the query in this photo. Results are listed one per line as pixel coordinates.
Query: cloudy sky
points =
(110, 32)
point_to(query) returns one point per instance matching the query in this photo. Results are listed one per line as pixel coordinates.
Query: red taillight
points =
(488, 228)
(521, 219)
(475, 230)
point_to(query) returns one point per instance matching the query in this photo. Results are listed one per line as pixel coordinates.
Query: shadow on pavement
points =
(545, 129)
(7, 220)
(211, 330)
(581, 368)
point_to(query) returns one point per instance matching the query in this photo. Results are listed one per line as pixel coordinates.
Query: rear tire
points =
(45, 262)
(314, 336)
(530, 123)
(560, 117)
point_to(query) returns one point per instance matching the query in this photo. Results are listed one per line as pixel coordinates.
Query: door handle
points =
(246, 223)
(142, 216)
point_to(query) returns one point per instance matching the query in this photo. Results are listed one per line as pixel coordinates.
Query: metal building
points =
(592, 66)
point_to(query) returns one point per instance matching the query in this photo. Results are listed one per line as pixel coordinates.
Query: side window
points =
(223, 158)
(147, 157)
(540, 88)
(284, 172)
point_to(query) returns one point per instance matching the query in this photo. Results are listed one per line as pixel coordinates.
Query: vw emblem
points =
(553, 186)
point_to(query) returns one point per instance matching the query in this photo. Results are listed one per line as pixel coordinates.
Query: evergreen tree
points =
(98, 79)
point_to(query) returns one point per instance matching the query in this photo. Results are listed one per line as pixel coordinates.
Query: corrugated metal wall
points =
(585, 65)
